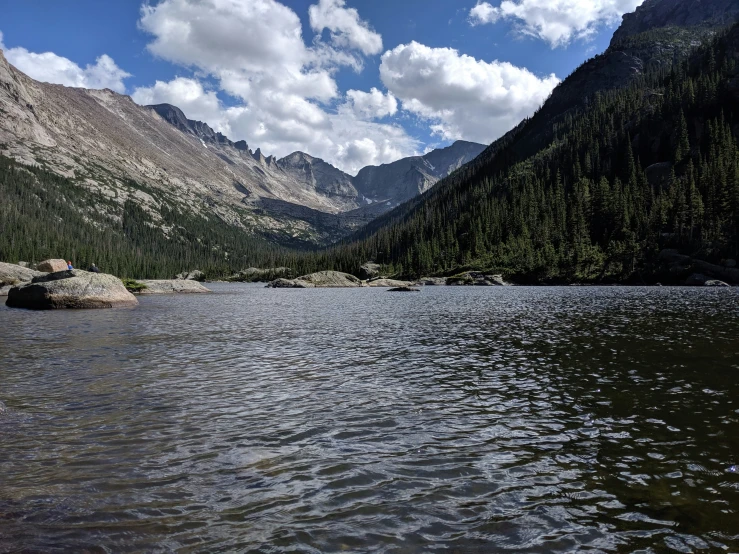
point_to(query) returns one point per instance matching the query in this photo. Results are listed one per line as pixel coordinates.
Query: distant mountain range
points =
(103, 139)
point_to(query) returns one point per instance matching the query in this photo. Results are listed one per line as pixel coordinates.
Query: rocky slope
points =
(394, 183)
(119, 149)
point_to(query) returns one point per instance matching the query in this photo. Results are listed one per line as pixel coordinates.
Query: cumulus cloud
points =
(372, 104)
(461, 96)
(556, 21)
(50, 68)
(285, 89)
(190, 96)
(346, 28)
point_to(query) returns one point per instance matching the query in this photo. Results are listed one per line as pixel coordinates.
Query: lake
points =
(469, 420)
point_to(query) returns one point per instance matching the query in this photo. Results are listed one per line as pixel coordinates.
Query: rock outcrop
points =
(75, 289)
(432, 281)
(477, 279)
(257, 275)
(52, 266)
(11, 274)
(195, 275)
(172, 286)
(321, 279)
(370, 270)
(388, 283)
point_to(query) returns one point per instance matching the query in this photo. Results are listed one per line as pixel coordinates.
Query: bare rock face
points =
(11, 274)
(388, 283)
(370, 270)
(174, 286)
(321, 279)
(52, 266)
(195, 275)
(75, 289)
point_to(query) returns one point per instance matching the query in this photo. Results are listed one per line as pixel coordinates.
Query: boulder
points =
(173, 286)
(716, 283)
(477, 279)
(288, 284)
(195, 275)
(75, 289)
(404, 289)
(432, 281)
(368, 271)
(255, 275)
(321, 279)
(12, 274)
(52, 266)
(388, 283)
(696, 280)
(671, 256)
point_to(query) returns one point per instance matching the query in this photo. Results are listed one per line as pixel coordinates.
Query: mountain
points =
(107, 142)
(595, 184)
(399, 181)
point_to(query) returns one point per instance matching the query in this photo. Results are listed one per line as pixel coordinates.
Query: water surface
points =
(454, 420)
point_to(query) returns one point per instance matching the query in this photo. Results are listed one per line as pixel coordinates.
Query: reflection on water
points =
(455, 420)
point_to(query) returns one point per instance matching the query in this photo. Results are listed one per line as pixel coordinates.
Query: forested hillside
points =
(43, 215)
(631, 171)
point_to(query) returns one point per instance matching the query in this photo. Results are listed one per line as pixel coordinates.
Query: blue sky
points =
(355, 82)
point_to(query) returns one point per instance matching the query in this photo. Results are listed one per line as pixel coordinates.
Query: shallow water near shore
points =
(355, 420)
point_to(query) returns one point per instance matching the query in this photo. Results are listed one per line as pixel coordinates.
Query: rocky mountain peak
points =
(655, 14)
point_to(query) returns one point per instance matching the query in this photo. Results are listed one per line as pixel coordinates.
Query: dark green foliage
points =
(582, 199)
(43, 215)
(132, 285)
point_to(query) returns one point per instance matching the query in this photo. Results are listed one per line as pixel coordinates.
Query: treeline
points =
(630, 172)
(589, 195)
(44, 215)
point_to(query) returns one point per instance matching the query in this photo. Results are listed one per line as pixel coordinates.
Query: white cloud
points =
(556, 21)
(347, 29)
(484, 13)
(372, 104)
(50, 68)
(256, 52)
(463, 97)
(190, 96)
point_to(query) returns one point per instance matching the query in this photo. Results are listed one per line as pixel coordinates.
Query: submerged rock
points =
(404, 289)
(321, 279)
(172, 286)
(75, 289)
(12, 274)
(52, 266)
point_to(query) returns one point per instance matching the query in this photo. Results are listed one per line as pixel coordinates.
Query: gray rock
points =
(321, 279)
(477, 279)
(195, 275)
(696, 280)
(172, 286)
(388, 283)
(12, 274)
(75, 289)
(5, 290)
(52, 266)
(370, 270)
(716, 283)
(432, 281)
